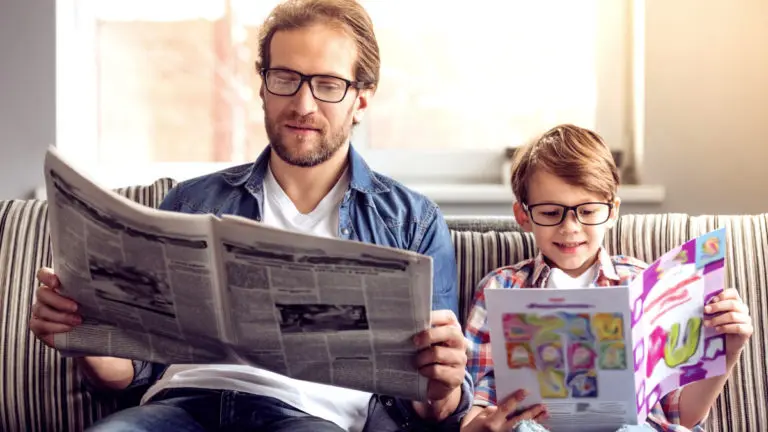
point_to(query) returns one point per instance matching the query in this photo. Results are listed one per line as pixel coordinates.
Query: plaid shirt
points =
(612, 271)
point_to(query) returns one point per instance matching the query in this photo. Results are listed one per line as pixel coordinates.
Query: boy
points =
(566, 185)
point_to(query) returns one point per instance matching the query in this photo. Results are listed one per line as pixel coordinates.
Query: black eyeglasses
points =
(326, 88)
(589, 213)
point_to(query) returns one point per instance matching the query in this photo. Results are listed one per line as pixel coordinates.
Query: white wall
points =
(707, 104)
(27, 93)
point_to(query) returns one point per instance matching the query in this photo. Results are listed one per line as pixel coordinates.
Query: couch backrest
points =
(483, 245)
(40, 391)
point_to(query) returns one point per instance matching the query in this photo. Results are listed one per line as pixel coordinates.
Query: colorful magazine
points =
(600, 358)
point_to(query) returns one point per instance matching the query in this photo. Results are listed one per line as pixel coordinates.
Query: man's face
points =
(302, 130)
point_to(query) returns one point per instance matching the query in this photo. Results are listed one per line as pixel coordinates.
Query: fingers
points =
(54, 300)
(529, 414)
(449, 377)
(43, 312)
(509, 405)
(447, 335)
(730, 293)
(728, 318)
(739, 329)
(726, 306)
(441, 355)
(46, 277)
(444, 317)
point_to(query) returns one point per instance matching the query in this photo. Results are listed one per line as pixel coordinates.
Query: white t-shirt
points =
(560, 279)
(347, 408)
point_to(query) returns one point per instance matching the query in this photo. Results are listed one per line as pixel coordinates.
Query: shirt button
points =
(345, 231)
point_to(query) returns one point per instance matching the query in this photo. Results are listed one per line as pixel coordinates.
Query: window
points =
(167, 87)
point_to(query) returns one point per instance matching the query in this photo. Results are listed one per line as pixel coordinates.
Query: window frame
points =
(618, 115)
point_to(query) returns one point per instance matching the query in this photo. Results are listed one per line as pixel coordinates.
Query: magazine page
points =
(671, 347)
(325, 310)
(142, 277)
(570, 349)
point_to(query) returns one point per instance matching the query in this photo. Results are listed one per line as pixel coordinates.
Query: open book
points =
(600, 358)
(180, 288)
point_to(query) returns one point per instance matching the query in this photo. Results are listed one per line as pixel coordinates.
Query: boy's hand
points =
(497, 418)
(732, 319)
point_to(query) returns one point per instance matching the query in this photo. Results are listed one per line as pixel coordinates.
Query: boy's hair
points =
(348, 15)
(576, 155)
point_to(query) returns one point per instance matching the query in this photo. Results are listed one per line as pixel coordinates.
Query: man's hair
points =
(576, 155)
(348, 15)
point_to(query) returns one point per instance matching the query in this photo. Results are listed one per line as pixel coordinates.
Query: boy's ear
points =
(614, 213)
(522, 217)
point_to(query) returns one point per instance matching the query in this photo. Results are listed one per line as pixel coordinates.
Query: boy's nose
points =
(571, 222)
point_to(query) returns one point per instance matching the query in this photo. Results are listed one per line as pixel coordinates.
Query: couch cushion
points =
(41, 391)
(742, 406)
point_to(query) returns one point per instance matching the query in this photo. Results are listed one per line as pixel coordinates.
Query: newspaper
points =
(600, 358)
(179, 288)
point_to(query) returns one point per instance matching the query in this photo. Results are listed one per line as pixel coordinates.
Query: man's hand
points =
(732, 319)
(442, 359)
(500, 419)
(52, 313)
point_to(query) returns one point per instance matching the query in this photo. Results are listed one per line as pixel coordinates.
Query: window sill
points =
(500, 194)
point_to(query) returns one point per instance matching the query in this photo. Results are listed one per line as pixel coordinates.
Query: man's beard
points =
(328, 144)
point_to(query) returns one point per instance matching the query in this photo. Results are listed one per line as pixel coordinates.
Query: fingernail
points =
(707, 309)
(707, 323)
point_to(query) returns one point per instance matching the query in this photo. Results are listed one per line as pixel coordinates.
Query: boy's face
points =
(570, 246)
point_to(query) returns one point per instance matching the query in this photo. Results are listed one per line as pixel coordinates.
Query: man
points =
(319, 61)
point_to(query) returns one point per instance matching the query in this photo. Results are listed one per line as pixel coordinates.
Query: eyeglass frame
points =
(358, 85)
(568, 209)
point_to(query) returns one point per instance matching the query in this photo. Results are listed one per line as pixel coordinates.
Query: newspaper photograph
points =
(177, 288)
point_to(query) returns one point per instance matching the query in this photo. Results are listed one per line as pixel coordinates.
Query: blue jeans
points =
(201, 410)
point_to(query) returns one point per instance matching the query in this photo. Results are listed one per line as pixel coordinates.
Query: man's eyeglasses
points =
(590, 213)
(326, 88)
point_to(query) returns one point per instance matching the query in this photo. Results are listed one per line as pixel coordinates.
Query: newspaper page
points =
(570, 349)
(143, 278)
(325, 310)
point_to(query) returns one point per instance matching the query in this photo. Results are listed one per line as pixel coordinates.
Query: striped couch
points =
(40, 391)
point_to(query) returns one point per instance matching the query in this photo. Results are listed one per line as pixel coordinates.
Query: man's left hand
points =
(442, 359)
(731, 319)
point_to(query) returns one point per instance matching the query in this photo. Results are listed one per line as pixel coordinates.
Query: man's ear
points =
(614, 213)
(261, 94)
(362, 105)
(521, 216)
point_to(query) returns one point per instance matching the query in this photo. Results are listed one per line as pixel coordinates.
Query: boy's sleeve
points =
(479, 360)
(666, 413)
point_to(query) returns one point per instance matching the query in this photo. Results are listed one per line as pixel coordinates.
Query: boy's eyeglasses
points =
(590, 213)
(325, 88)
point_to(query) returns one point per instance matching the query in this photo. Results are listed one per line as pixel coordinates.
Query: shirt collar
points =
(605, 269)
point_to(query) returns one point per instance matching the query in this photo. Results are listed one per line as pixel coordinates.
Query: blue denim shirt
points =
(375, 209)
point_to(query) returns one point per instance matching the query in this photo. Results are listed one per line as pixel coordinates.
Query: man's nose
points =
(303, 101)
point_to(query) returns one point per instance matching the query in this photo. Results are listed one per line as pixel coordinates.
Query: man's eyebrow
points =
(333, 74)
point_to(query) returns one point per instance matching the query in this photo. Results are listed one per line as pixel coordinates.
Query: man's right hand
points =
(52, 312)
(497, 418)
